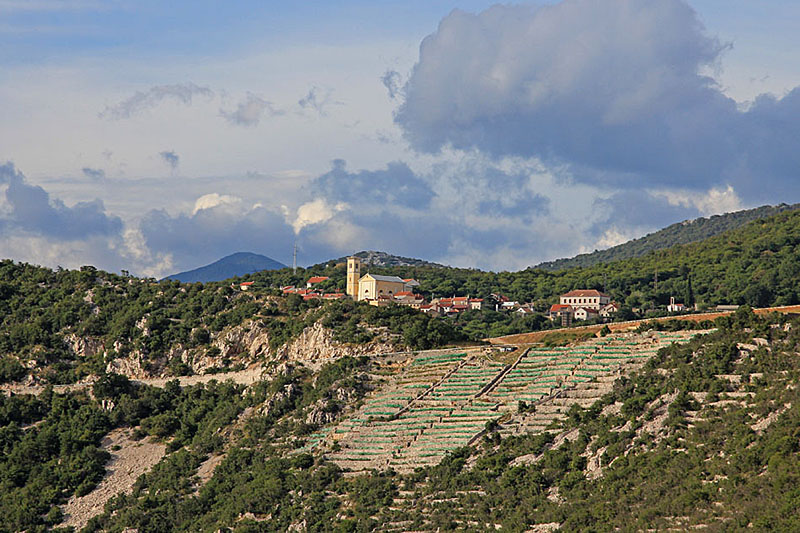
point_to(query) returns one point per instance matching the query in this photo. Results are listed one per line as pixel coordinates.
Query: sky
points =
(157, 137)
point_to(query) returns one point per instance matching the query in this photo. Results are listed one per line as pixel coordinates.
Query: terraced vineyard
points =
(439, 402)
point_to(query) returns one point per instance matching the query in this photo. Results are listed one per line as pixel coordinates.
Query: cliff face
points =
(316, 346)
(237, 346)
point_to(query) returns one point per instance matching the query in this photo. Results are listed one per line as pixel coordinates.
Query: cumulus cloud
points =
(315, 212)
(318, 99)
(250, 111)
(94, 173)
(29, 208)
(396, 185)
(170, 158)
(392, 80)
(208, 201)
(144, 100)
(214, 231)
(641, 209)
(469, 212)
(715, 201)
(614, 89)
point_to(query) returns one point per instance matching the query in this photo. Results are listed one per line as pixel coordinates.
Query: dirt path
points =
(129, 460)
(242, 377)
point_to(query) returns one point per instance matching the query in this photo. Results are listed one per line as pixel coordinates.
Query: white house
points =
(585, 313)
(675, 307)
(588, 299)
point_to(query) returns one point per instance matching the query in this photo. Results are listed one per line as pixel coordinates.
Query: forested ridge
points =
(757, 264)
(704, 435)
(679, 233)
(723, 455)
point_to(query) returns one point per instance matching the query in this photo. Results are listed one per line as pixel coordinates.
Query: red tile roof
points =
(317, 279)
(583, 293)
(246, 283)
(559, 307)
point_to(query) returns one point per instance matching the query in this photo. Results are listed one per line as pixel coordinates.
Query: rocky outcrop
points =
(235, 346)
(316, 346)
(84, 347)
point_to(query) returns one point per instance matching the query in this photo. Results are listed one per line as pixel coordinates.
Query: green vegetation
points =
(682, 447)
(680, 233)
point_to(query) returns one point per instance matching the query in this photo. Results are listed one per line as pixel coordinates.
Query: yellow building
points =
(375, 287)
(353, 275)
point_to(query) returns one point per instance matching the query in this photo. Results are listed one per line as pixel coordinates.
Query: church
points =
(374, 288)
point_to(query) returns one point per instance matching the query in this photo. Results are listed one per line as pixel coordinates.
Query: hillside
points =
(333, 425)
(684, 232)
(648, 430)
(383, 259)
(63, 326)
(238, 264)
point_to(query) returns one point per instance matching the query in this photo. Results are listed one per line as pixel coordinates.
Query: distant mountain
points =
(237, 264)
(383, 259)
(684, 232)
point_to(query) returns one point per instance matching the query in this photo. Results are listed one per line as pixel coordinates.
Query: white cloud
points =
(208, 201)
(715, 201)
(316, 212)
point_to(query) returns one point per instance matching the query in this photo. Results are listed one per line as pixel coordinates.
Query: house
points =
(525, 310)
(674, 307)
(585, 313)
(609, 309)
(507, 306)
(314, 280)
(588, 299)
(409, 298)
(430, 309)
(246, 285)
(561, 312)
(457, 304)
(334, 296)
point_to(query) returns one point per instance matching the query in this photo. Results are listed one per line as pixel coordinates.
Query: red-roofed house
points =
(561, 312)
(609, 310)
(675, 307)
(246, 285)
(588, 299)
(585, 313)
(314, 280)
(334, 296)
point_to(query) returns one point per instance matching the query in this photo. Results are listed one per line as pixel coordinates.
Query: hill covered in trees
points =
(230, 266)
(684, 232)
(704, 435)
(63, 325)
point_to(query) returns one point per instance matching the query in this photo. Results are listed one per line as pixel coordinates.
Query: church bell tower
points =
(353, 275)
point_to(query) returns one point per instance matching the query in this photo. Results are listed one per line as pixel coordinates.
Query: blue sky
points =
(155, 137)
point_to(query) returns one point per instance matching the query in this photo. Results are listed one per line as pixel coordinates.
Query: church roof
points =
(390, 279)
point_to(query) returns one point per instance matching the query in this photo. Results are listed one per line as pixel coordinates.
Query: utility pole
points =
(294, 259)
(655, 281)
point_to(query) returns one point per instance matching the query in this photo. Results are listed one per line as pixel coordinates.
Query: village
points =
(381, 290)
